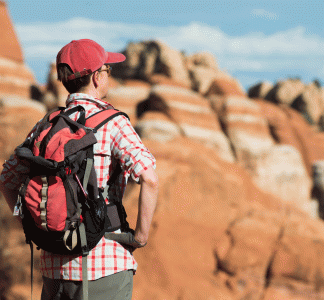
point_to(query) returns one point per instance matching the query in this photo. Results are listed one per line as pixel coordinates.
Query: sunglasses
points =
(108, 70)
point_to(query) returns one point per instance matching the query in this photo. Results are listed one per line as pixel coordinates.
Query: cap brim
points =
(112, 57)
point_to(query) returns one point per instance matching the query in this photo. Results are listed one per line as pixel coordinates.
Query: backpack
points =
(62, 209)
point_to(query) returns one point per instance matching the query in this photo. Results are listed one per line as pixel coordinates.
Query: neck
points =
(90, 90)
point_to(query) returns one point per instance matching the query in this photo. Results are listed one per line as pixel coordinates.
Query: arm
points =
(147, 204)
(127, 147)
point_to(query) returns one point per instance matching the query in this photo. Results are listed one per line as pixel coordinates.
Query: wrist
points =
(140, 245)
(140, 238)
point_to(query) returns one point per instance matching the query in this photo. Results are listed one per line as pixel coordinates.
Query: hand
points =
(126, 238)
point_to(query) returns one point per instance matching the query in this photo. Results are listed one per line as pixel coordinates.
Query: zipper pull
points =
(17, 209)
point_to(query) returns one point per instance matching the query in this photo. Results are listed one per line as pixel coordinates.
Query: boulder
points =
(311, 142)
(299, 258)
(289, 127)
(253, 221)
(309, 103)
(131, 66)
(203, 59)
(282, 173)
(145, 59)
(317, 143)
(247, 130)
(225, 86)
(158, 127)
(126, 97)
(202, 78)
(203, 70)
(260, 90)
(282, 130)
(253, 240)
(280, 127)
(192, 113)
(171, 62)
(285, 91)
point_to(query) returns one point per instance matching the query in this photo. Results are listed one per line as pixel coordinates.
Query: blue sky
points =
(252, 40)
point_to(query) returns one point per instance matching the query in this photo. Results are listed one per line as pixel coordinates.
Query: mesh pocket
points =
(113, 217)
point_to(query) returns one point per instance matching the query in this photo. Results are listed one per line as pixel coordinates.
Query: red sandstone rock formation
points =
(126, 97)
(278, 170)
(157, 126)
(192, 114)
(17, 118)
(285, 91)
(203, 71)
(310, 102)
(145, 59)
(221, 237)
(10, 46)
(308, 99)
(15, 76)
(260, 90)
(225, 87)
(246, 128)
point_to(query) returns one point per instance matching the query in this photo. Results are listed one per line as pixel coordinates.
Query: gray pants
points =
(118, 286)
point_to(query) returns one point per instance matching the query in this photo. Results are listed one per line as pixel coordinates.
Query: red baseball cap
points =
(86, 56)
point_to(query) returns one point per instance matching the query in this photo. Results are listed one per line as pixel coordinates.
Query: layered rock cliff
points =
(15, 76)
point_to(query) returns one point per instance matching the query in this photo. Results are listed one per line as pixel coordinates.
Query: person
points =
(83, 66)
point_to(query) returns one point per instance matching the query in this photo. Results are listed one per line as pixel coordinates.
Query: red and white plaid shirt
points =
(117, 141)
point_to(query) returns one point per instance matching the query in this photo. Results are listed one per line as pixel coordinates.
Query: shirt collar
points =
(85, 97)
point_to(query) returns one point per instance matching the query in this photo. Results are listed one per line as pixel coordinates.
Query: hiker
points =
(83, 66)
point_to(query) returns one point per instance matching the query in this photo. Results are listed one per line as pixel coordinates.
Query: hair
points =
(74, 85)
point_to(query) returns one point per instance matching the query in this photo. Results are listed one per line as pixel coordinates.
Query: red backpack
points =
(63, 211)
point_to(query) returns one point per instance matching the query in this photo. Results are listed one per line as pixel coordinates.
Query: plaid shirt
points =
(117, 141)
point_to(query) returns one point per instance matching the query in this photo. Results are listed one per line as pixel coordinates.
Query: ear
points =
(95, 79)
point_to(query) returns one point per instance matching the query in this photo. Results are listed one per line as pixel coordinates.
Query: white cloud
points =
(262, 13)
(252, 52)
(191, 37)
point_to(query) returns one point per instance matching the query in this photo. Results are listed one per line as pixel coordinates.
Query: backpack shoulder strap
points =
(52, 113)
(102, 117)
(96, 121)
(64, 112)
